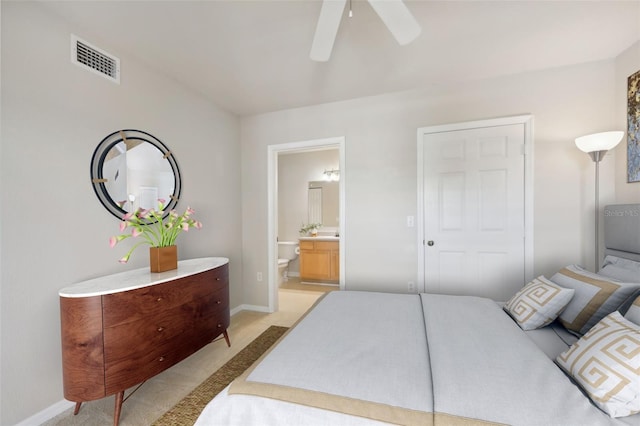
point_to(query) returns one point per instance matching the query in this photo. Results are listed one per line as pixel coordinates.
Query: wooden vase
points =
(163, 258)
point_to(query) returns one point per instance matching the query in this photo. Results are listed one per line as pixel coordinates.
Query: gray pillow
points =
(595, 297)
(621, 269)
(633, 314)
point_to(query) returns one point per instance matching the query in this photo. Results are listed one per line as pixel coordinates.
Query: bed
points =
(564, 350)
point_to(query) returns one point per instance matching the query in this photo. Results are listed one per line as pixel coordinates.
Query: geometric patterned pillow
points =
(606, 364)
(633, 314)
(596, 296)
(538, 303)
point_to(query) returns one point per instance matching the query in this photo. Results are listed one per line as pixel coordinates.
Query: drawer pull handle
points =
(218, 279)
(219, 302)
(161, 359)
(160, 329)
(159, 299)
(219, 325)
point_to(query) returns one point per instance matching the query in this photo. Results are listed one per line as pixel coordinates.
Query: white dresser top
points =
(137, 278)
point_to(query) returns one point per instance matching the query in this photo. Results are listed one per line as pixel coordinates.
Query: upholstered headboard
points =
(622, 231)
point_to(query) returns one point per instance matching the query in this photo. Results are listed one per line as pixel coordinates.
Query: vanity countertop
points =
(320, 238)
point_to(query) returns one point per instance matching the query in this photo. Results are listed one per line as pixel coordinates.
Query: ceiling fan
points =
(393, 13)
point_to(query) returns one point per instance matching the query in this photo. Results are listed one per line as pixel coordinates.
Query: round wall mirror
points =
(132, 169)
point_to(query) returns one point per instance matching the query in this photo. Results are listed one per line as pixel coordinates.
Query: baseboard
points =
(254, 308)
(48, 413)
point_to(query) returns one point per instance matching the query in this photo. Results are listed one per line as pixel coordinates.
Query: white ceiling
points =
(253, 56)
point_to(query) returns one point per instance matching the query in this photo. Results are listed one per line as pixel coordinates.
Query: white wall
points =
(381, 145)
(54, 230)
(627, 64)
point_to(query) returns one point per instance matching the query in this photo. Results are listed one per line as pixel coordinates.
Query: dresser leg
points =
(77, 409)
(118, 408)
(226, 337)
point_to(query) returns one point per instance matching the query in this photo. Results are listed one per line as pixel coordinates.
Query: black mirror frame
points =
(97, 162)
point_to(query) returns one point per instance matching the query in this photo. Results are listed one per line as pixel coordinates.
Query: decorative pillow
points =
(606, 364)
(621, 269)
(595, 297)
(626, 305)
(633, 314)
(538, 303)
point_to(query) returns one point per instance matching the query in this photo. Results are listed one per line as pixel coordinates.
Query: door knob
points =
(430, 243)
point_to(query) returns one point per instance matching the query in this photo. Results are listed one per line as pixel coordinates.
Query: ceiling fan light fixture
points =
(393, 13)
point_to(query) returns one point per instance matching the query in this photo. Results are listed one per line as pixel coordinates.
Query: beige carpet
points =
(189, 408)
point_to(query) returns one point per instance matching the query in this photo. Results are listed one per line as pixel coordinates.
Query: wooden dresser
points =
(120, 330)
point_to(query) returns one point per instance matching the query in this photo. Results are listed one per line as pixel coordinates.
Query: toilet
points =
(287, 251)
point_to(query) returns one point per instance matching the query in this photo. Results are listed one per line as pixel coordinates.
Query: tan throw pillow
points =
(606, 364)
(538, 303)
(596, 296)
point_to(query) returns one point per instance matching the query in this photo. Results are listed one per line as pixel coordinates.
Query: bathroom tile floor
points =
(163, 391)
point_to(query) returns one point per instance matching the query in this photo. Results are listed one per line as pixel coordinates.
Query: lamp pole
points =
(596, 156)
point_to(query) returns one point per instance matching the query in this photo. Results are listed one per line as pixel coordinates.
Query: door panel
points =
(474, 211)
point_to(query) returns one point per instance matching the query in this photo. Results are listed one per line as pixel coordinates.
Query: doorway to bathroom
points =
(298, 198)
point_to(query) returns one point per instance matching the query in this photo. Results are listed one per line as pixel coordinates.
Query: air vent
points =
(94, 59)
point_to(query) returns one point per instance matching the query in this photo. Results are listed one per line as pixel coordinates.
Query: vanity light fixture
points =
(597, 145)
(332, 175)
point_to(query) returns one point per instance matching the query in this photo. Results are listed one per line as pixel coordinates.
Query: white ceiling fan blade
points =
(327, 28)
(398, 19)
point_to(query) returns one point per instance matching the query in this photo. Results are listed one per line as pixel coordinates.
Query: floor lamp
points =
(597, 145)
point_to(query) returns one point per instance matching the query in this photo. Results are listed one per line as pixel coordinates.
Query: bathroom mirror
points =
(132, 169)
(324, 199)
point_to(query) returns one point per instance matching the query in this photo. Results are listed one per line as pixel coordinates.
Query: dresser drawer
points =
(135, 351)
(139, 367)
(204, 313)
(135, 304)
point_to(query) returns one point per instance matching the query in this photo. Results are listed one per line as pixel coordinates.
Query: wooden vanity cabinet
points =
(117, 338)
(320, 261)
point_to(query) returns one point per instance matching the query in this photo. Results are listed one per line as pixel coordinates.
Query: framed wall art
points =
(633, 128)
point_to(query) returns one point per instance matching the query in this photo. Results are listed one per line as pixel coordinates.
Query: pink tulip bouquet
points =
(153, 228)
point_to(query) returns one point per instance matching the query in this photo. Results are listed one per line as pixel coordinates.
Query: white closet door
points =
(473, 211)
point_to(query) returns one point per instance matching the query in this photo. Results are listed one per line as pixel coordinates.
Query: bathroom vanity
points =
(320, 259)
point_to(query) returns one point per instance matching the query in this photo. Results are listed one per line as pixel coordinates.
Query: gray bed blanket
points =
(416, 359)
(355, 352)
(484, 367)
